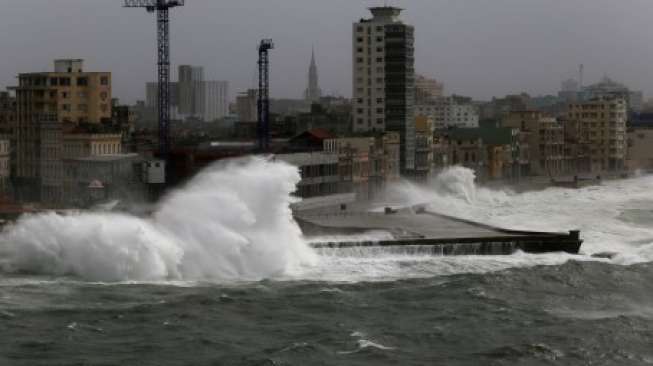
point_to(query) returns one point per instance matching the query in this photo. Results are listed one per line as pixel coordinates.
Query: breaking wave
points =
(231, 222)
(615, 217)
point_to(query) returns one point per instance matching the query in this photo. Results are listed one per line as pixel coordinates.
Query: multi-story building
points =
(449, 112)
(498, 108)
(427, 90)
(384, 79)
(546, 139)
(191, 91)
(612, 89)
(100, 178)
(64, 142)
(640, 154)
(598, 129)
(69, 95)
(354, 160)
(152, 101)
(319, 173)
(217, 100)
(7, 113)
(493, 153)
(423, 147)
(246, 108)
(366, 164)
(5, 168)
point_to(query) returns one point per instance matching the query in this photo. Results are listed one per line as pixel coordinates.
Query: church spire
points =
(313, 92)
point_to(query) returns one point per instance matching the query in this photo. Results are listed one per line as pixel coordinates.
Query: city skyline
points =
(476, 49)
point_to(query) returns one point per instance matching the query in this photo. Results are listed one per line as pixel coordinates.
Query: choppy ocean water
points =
(577, 313)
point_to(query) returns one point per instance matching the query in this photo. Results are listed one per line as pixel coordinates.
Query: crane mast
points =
(263, 125)
(161, 7)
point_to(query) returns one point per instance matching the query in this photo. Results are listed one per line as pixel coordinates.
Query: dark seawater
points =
(578, 313)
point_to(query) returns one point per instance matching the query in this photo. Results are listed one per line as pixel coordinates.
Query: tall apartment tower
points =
(191, 91)
(217, 100)
(384, 79)
(313, 92)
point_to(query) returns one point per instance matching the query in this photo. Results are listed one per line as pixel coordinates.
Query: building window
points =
(64, 95)
(379, 59)
(104, 80)
(54, 81)
(65, 107)
(82, 81)
(359, 60)
(64, 81)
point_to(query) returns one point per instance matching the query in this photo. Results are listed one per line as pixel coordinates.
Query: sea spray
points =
(231, 222)
(602, 213)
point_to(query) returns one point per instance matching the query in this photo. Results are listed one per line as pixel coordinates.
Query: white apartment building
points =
(447, 112)
(217, 100)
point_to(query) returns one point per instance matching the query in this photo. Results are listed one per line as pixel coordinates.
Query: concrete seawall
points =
(416, 230)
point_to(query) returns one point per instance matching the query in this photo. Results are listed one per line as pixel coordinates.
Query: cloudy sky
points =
(479, 48)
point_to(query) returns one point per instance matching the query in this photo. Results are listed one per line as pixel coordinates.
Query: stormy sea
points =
(220, 274)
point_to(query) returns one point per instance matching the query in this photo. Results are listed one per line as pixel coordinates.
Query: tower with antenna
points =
(161, 8)
(263, 125)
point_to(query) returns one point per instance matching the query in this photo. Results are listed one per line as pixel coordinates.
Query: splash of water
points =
(599, 211)
(231, 222)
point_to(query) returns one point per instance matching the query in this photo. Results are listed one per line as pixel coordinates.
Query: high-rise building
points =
(152, 100)
(246, 106)
(384, 79)
(217, 100)
(313, 92)
(66, 96)
(191, 91)
(597, 128)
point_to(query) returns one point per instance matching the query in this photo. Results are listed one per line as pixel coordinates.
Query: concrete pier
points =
(431, 233)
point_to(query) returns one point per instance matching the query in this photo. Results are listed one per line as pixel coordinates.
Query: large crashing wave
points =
(231, 222)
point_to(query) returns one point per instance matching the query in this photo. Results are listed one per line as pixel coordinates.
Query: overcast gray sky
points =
(479, 48)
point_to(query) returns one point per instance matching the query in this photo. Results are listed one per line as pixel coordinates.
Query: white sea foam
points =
(231, 222)
(596, 210)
